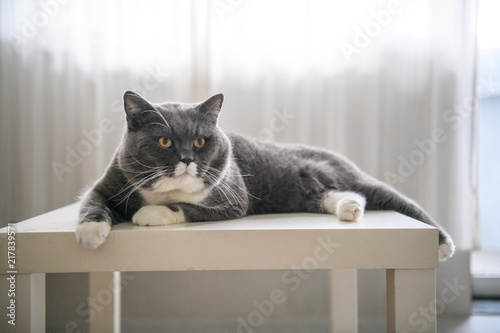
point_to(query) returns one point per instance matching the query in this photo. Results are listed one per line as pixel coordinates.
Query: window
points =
(485, 264)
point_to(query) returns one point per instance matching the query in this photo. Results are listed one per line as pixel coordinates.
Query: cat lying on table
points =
(176, 165)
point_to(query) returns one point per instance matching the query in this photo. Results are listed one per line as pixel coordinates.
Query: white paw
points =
(348, 206)
(157, 215)
(349, 210)
(92, 234)
(446, 249)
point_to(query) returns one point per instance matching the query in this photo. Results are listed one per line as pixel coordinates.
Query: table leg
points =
(344, 300)
(411, 300)
(23, 299)
(104, 299)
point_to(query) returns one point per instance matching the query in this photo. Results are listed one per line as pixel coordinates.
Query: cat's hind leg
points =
(348, 206)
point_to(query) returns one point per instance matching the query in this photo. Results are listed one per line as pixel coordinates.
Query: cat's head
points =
(173, 146)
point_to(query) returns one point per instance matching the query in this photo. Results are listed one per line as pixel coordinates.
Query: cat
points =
(176, 165)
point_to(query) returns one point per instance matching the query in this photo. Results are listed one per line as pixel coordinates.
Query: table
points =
(407, 249)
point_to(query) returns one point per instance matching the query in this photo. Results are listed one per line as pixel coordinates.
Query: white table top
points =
(382, 239)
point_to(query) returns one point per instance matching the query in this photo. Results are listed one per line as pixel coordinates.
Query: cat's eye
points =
(165, 142)
(199, 143)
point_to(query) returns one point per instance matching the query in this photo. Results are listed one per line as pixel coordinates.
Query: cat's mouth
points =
(185, 174)
(185, 170)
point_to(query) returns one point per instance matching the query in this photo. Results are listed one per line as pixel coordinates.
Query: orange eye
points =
(199, 143)
(165, 142)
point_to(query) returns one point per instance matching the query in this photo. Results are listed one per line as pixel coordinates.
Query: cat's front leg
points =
(348, 206)
(95, 221)
(158, 215)
(92, 234)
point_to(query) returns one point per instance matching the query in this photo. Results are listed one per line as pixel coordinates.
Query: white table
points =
(406, 248)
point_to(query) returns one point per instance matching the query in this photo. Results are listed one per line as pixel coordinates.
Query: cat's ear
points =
(134, 105)
(211, 108)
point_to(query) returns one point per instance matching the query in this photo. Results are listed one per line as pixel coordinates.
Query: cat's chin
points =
(185, 175)
(184, 182)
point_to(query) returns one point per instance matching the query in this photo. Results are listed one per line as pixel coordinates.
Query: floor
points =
(485, 319)
(473, 324)
(486, 307)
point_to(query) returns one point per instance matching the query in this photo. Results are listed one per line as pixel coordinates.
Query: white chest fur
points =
(185, 189)
(171, 197)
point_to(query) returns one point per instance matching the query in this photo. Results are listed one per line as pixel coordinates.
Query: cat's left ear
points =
(211, 108)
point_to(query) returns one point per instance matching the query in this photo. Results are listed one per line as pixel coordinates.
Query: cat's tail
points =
(380, 196)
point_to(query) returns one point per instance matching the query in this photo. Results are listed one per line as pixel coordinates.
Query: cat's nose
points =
(186, 160)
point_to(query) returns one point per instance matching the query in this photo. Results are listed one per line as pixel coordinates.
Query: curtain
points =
(389, 84)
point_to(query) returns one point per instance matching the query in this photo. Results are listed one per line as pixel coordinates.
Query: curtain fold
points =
(388, 84)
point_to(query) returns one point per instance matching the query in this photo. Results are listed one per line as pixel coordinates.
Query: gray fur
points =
(244, 176)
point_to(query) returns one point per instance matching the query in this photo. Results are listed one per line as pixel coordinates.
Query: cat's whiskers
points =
(138, 185)
(131, 182)
(153, 174)
(223, 187)
(214, 181)
(135, 188)
(221, 191)
(126, 187)
(132, 162)
(221, 183)
(150, 174)
(159, 169)
(142, 164)
(232, 181)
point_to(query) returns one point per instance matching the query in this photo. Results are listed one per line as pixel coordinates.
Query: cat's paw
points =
(350, 210)
(446, 249)
(92, 234)
(348, 206)
(157, 215)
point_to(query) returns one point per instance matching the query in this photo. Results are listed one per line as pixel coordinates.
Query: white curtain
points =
(390, 84)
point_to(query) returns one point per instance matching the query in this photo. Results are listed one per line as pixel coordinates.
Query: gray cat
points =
(176, 165)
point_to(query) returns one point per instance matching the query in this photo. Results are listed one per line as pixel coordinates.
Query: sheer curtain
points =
(387, 83)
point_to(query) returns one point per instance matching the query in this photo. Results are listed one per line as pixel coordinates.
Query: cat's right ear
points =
(211, 108)
(134, 105)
